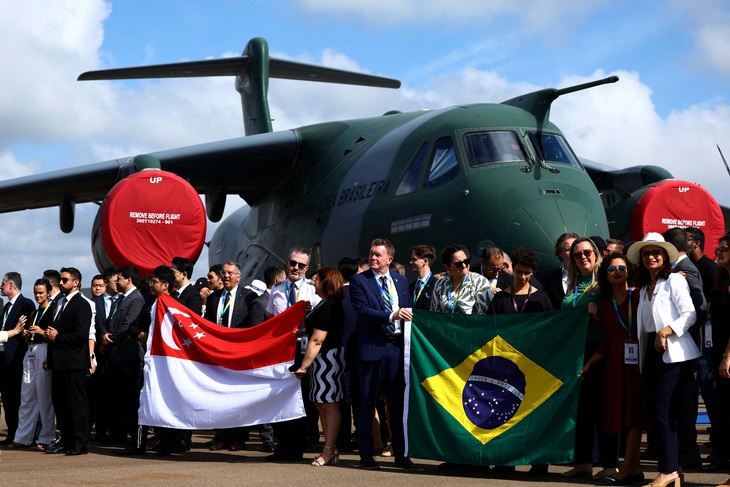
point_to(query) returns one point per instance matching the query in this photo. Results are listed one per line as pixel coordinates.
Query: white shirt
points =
(279, 298)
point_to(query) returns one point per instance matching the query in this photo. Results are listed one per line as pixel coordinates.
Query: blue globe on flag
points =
(493, 393)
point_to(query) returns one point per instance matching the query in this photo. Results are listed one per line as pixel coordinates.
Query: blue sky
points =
(670, 108)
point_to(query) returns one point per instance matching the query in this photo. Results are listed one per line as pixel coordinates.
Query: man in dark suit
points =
(230, 307)
(185, 293)
(12, 351)
(382, 302)
(689, 453)
(422, 257)
(556, 283)
(69, 358)
(125, 354)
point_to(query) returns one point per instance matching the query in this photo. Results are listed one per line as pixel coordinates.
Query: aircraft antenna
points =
(727, 168)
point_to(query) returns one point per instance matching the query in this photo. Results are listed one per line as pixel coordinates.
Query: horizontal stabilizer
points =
(234, 66)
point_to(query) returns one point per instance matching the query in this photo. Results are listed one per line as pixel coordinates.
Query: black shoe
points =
(154, 444)
(130, 450)
(57, 448)
(267, 447)
(717, 465)
(77, 450)
(369, 463)
(180, 448)
(163, 451)
(281, 456)
(536, 470)
(56, 441)
(695, 465)
(7, 441)
(403, 462)
(637, 477)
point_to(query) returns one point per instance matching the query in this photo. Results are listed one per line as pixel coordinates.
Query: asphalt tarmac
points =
(201, 467)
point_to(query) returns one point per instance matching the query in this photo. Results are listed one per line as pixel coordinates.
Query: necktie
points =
(176, 294)
(386, 294)
(116, 305)
(416, 289)
(59, 309)
(224, 314)
(292, 294)
(6, 310)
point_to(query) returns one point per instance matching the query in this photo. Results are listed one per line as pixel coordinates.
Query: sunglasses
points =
(584, 253)
(656, 253)
(720, 250)
(460, 264)
(300, 265)
(65, 279)
(614, 268)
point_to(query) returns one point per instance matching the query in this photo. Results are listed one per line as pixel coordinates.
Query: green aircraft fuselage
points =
(427, 177)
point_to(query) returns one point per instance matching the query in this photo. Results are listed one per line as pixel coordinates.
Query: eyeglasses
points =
(495, 269)
(656, 253)
(720, 250)
(585, 253)
(229, 273)
(65, 279)
(460, 264)
(300, 265)
(614, 268)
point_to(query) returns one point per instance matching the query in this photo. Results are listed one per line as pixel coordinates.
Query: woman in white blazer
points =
(665, 347)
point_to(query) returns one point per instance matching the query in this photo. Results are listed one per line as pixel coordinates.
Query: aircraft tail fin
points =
(538, 102)
(252, 70)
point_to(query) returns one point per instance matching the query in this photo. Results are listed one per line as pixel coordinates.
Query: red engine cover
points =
(677, 203)
(150, 217)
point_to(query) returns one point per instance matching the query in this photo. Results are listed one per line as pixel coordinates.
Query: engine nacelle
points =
(147, 219)
(667, 204)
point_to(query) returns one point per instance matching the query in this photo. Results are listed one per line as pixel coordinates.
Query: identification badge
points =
(631, 353)
(708, 335)
(304, 341)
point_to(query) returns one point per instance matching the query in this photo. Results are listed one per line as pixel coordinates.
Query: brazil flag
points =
(493, 390)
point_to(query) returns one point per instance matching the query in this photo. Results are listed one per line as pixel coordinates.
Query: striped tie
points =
(386, 294)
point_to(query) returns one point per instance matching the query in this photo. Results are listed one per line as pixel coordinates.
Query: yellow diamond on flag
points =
(492, 390)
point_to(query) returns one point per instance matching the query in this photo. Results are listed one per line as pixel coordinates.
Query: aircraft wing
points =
(247, 166)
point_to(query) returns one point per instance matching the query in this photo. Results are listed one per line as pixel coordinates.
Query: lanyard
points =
(299, 290)
(618, 315)
(575, 294)
(423, 284)
(36, 319)
(318, 305)
(225, 308)
(452, 305)
(522, 309)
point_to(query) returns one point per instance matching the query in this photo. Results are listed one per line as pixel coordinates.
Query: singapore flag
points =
(199, 376)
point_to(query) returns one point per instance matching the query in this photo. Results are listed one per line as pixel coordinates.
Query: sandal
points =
(321, 462)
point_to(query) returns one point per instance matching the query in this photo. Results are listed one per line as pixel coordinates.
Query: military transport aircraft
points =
(500, 172)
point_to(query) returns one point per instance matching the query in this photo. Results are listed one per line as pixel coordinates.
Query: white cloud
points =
(543, 15)
(708, 22)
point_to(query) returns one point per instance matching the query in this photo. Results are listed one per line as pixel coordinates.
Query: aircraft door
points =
(423, 207)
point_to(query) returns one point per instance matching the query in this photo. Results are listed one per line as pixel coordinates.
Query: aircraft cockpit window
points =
(553, 148)
(444, 165)
(491, 147)
(410, 178)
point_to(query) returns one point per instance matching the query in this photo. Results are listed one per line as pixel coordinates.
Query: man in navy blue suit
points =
(382, 302)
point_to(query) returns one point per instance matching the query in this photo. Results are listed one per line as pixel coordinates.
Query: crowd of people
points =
(659, 333)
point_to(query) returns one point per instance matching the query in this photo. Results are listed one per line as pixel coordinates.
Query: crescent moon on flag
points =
(166, 329)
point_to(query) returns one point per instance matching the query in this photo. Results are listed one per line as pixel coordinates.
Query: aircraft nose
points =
(539, 223)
